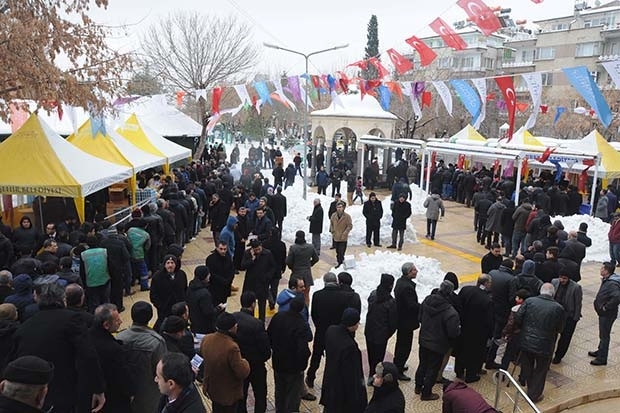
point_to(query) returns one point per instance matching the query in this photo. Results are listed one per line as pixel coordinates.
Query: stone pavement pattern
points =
(456, 249)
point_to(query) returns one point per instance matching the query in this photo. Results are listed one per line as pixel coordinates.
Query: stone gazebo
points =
(342, 123)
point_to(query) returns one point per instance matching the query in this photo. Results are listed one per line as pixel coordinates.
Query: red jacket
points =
(458, 398)
(614, 231)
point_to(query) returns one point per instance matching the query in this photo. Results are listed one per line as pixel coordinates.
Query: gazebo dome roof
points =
(353, 106)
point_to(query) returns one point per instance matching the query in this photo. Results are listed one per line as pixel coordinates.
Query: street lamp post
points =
(306, 56)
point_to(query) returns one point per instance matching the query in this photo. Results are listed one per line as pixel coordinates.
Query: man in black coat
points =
(222, 273)
(500, 281)
(278, 205)
(59, 336)
(575, 251)
(328, 305)
(289, 335)
(352, 298)
(119, 263)
(119, 378)
(373, 212)
(168, 287)
(316, 225)
(401, 211)
(24, 385)
(254, 345)
(408, 308)
(202, 310)
(477, 328)
(262, 226)
(343, 389)
(492, 260)
(260, 268)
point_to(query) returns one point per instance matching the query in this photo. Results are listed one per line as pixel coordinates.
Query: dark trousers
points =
(117, 282)
(372, 231)
(468, 361)
(335, 188)
(490, 237)
(220, 408)
(396, 233)
(426, 374)
(273, 292)
(341, 248)
(289, 387)
(376, 354)
(262, 305)
(431, 227)
(565, 337)
(258, 380)
(95, 296)
(318, 348)
(604, 332)
(534, 368)
(321, 189)
(404, 340)
(480, 235)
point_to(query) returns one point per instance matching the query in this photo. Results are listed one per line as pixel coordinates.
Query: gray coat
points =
(300, 259)
(571, 301)
(602, 210)
(494, 217)
(145, 348)
(434, 205)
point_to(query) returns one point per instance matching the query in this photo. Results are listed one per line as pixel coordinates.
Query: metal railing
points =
(499, 377)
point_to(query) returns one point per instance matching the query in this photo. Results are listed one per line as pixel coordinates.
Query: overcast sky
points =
(319, 24)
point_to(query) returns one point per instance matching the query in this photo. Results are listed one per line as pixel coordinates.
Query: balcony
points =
(509, 65)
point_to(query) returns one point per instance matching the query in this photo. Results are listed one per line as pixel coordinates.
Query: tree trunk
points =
(203, 135)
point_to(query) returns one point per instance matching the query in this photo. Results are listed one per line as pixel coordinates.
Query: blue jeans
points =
(518, 242)
(614, 253)
(604, 331)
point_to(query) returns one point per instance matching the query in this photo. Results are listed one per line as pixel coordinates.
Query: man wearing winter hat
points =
(24, 385)
(224, 368)
(343, 389)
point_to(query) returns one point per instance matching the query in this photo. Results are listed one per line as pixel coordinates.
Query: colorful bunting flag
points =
(383, 72)
(448, 35)
(469, 97)
(585, 85)
(481, 15)
(426, 98)
(427, 55)
(263, 91)
(215, 101)
(558, 112)
(385, 97)
(534, 84)
(401, 64)
(292, 86)
(362, 64)
(481, 87)
(506, 85)
(444, 94)
(180, 95)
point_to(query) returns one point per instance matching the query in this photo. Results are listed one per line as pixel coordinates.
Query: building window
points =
(489, 63)
(545, 53)
(587, 49)
(559, 26)
(527, 55)
(547, 79)
(467, 62)
(444, 62)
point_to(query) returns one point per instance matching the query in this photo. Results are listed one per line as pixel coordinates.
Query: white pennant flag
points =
(444, 93)
(201, 93)
(302, 92)
(278, 85)
(243, 94)
(613, 68)
(481, 86)
(534, 84)
(415, 105)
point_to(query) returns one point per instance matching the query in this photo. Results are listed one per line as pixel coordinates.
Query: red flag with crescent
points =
(481, 15)
(427, 55)
(426, 98)
(449, 36)
(362, 64)
(217, 96)
(461, 161)
(401, 64)
(524, 168)
(583, 180)
(506, 85)
(546, 154)
(383, 72)
(180, 95)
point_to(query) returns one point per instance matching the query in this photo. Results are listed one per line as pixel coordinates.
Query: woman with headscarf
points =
(168, 287)
(387, 396)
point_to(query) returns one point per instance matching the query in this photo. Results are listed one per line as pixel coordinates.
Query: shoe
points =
(405, 368)
(472, 379)
(338, 265)
(417, 390)
(130, 293)
(403, 377)
(482, 372)
(309, 397)
(492, 366)
(332, 248)
(432, 238)
(443, 380)
(378, 245)
(432, 396)
(400, 248)
(556, 360)
(593, 353)
(369, 245)
(309, 383)
(522, 382)
(391, 247)
(598, 362)
(428, 236)
(145, 289)
(121, 309)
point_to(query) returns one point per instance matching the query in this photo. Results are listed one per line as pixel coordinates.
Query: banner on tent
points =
(554, 158)
(37, 190)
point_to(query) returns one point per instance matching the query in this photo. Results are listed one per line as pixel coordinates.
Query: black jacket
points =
(477, 317)
(440, 323)
(7, 329)
(501, 279)
(401, 211)
(541, 319)
(259, 272)
(120, 383)
(252, 338)
(608, 297)
(278, 205)
(343, 380)
(328, 304)
(407, 303)
(490, 262)
(381, 319)
(373, 212)
(188, 402)
(13, 406)
(118, 248)
(222, 273)
(316, 220)
(202, 311)
(289, 335)
(165, 292)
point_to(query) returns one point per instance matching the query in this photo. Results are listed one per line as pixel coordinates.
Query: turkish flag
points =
(360, 63)
(383, 72)
(448, 35)
(217, 96)
(426, 99)
(401, 64)
(427, 55)
(481, 15)
(506, 85)
(537, 1)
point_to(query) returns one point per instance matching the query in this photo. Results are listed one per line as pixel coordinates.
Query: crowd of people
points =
(62, 293)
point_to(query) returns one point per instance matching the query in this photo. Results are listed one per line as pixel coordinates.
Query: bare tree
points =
(53, 51)
(193, 51)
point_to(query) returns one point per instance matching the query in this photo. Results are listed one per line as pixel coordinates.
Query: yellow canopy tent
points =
(468, 136)
(610, 158)
(114, 148)
(522, 139)
(37, 161)
(150, 141)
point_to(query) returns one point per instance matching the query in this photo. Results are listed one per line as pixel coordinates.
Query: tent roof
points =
(114, 148)
(140, 135)
(468, 135)
(37, 161)
(610, 158)
(72, 116)
(163, 118)
(522, 139)
(353, 106)
(391, 143)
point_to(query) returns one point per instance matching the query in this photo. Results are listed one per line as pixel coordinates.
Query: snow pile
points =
(298, 210)
(597, 230)
(369, 267)
(417, 203)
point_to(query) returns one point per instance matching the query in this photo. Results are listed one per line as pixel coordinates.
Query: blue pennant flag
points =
(385, 97)
(469, 97)
(583, 82)
(331, 82)
(558, 170)
(97, 125)
(558, 112)
(263, 91)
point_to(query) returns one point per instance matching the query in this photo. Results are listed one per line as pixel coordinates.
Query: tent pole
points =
(518, 180)
(428, 175)
(594, 184)
(41, 213)
(422, 168)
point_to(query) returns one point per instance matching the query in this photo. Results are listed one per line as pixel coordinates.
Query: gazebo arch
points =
(362, 116)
